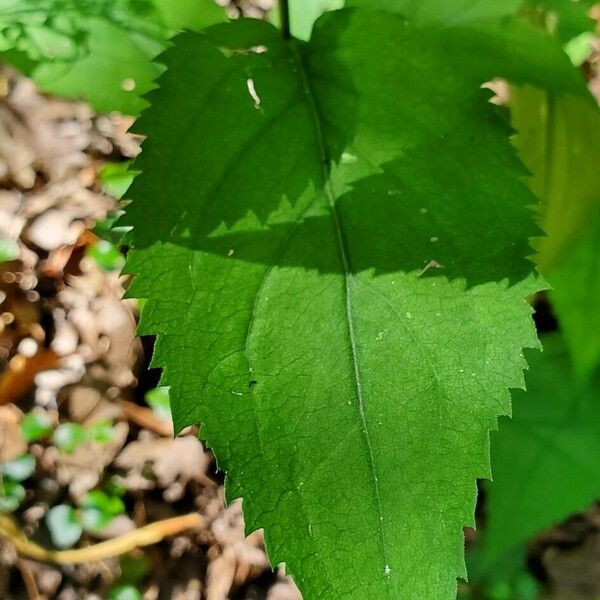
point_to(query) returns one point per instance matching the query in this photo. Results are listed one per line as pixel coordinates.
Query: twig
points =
(144, 536)
(144, 417)
(29, 580)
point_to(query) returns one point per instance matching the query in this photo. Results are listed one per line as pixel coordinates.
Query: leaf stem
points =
(284, 17)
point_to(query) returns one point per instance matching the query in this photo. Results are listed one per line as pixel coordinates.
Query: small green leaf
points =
(101, 432)
(116, 178)
(124, 592)
(580, 48)
(64, 526)
(68, 436)
(113, 488)
(304, 14)
(158, 400)
(107, 255)
(9, 250)
(98, 509)
(11, 495)
(93, 519)
(111, 505)
(134, 567)
(18, 469)
(35, 426)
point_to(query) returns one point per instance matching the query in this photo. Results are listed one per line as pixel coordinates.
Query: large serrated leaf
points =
(332, 238)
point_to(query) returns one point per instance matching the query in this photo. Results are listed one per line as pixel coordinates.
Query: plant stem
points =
(284, 16)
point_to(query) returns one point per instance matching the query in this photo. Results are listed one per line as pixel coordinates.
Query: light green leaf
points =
(11, 495)
(18, 469)
(111, 505)
(116, 178)
(542, 458)
(189, 14)
(107, 255)
(35, 426)
(100, 50)
(559, 140)
(158, 400)
(100, 432)
(294, 208)
(9, 250)
(64, 526)
(304, 14)
(124, 592)
(69, 436)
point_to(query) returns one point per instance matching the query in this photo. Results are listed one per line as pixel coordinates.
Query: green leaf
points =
(100, 432)
(100, 50)
(99, 500)
(541, 458)
(134, 567)
(64, 526)
(293, 205)
(18, 469)
(107, 255)
(35, 426)
(304, 14)
(124, 592)
(9, 250)
(443, 12)
(158, 400)
(98, 509)
(580, 48)
(568, 18)
(11, 495)
(116, 178)
(559, 141)
(69, 436)
(190, 14)
(576, 295)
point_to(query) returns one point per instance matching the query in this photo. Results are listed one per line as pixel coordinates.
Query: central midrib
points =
(348, 283)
